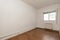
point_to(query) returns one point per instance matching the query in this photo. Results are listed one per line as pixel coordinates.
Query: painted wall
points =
(59, 19)
(16, 17)
(40, 21)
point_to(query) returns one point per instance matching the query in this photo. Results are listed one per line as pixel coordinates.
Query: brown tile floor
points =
(37, 34)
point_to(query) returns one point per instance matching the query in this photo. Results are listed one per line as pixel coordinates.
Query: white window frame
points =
(48, 16)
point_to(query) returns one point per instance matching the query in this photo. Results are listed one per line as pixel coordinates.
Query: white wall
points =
(16, 16)
(59, 19)
(40, 21)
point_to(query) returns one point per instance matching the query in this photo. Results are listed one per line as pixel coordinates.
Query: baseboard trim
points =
(18, 33)
(48, 29)
(15, 34)
(44, 29)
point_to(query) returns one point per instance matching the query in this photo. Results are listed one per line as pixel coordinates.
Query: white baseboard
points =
(14, 34)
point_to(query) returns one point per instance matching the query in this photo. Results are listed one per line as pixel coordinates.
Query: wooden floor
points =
(37, 34)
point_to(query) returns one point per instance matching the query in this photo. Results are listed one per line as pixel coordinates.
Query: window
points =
(50, 16)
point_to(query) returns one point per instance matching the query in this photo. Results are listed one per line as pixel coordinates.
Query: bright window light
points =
(46, 17)
(49, 16)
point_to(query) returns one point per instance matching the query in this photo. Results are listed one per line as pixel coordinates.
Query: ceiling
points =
(41, 3)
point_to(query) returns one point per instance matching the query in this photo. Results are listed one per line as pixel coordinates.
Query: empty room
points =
(29, 19)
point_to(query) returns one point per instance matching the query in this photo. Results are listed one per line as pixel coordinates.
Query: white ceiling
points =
(41, 3)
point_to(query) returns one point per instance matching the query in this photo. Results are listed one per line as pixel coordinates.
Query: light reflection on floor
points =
(47, 37)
